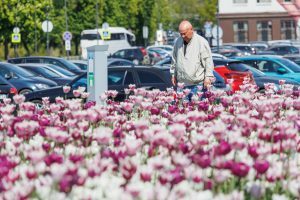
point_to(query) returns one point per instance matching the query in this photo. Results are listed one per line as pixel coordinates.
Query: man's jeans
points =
(194, 89)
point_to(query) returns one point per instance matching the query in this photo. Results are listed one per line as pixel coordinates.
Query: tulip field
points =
(155, 145)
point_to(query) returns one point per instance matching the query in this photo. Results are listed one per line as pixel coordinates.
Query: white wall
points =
(227, 6)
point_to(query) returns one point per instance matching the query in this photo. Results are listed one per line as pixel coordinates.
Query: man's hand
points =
(207, 82)
(173, 80)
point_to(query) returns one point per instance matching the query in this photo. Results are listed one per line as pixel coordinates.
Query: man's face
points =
(186, 34)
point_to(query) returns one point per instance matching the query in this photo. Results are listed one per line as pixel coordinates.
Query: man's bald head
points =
(186, 30)
(185, 25)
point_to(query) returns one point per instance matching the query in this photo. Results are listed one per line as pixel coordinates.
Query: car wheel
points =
(25, 91)
(38, 104)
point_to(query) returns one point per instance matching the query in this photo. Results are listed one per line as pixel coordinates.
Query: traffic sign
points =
(145, 32)
(105, 34)
(207, 28)
(47, 26)
(16, 38)
(215, 34)
(67, 35)
(16, 30)
(68, 45)
(105, 25)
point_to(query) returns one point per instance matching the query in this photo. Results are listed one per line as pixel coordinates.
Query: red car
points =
(227, 68)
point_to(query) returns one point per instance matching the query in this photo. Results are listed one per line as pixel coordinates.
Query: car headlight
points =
(41, 86)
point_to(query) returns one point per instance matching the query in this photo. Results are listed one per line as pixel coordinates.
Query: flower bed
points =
(151, 146)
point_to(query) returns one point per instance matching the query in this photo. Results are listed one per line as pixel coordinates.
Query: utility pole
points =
(35, 35)
(97, 16)
(218, 25)
(66, 18)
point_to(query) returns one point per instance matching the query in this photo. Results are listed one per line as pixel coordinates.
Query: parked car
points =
(47, 72)
(23, 80)
(284, 49)
(259, 45)
(168, 60)
(274, 66)
(82, 64)
(229, 51)
(110, 63)
(294, 57)
(261, 78)
(134, 54)
(225, 67)
(119, 78)
(7, 90)
(48, 60)
(167, 48)
(243, 47)
(61, 71)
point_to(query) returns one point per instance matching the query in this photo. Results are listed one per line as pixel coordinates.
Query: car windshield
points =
(20, 71)
(70, 66)
(291, 65)
(243, 48)
(80, 82)
(241, 67)
(166, 61)
(61, 70)
(160, 51)
(45, 72)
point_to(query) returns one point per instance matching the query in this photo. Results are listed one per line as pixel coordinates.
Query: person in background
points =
(192, 62)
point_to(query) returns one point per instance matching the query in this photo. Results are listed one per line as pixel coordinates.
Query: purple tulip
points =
(202, 161)
(240, 169)
(223, 148)
(53, 158)
(252, 151)
(261, 166)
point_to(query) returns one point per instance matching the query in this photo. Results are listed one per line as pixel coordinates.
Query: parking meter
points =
(97, 72)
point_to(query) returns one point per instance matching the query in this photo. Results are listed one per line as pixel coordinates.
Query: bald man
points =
(192, 62)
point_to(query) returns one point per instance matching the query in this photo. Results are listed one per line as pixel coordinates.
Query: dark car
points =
(47, 72)
(119, 78)
(134, 54)
(110, 63)
(23, 80)
(6, 89)
(229, 51)
(284, 49)
(244, 47)
(48, 60)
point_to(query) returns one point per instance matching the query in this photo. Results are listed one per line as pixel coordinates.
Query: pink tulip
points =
(18, 99)
(66, 89)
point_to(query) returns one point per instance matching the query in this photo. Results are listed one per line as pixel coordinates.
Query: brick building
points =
(259, 20)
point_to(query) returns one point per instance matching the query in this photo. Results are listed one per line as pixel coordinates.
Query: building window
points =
(263, 1)
(264, 30)
(240, 1)
(240, 30)
(288, 30)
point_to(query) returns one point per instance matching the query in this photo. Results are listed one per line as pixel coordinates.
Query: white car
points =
(167, 48)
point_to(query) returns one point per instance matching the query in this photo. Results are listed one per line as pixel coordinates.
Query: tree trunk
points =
(26, 48)
(6, 49)
(76, 46)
